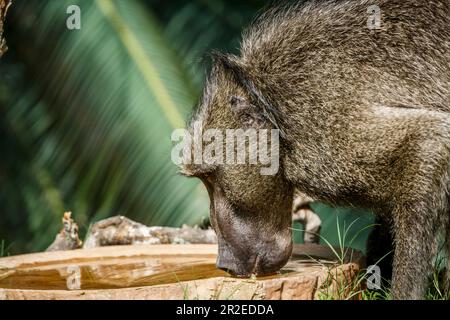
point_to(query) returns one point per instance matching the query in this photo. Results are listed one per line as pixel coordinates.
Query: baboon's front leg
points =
(418, 144)
(447, 272)
(415, 246)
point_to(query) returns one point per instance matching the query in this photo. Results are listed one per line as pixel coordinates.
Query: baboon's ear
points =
(245, 112)
(264, 109)
(228, 64)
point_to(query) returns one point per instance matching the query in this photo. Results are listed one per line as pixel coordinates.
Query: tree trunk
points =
(4, 5)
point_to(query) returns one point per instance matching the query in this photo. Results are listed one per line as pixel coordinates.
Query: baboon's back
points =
(325, 53)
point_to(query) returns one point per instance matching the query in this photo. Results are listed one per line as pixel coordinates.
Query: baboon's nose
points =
(260, 258)
(249, 265)
(236, 265)
(235, 269)
(257, 267)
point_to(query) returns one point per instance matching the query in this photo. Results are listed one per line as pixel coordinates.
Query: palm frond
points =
(98, 111)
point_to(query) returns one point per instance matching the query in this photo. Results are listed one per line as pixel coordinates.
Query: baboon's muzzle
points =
(263, 260)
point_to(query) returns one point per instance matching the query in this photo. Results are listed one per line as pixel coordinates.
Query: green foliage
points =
(2, 249)
(86, 115)
(357, 224)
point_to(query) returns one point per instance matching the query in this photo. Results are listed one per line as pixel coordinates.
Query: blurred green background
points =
(86, 115)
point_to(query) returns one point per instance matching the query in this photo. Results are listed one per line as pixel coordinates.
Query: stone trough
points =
(171, 272)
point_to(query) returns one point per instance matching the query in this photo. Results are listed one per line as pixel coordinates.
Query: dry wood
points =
(120, 230)
(164, 272)
(68, 238)
(304, 214)
(4, 5)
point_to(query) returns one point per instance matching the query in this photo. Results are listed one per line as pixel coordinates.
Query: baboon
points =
(363, 112)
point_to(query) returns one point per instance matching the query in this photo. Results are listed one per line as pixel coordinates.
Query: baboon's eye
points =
(207, 177)
(208, 185)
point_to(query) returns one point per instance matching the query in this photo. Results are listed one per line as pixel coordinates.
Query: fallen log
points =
(120, 230)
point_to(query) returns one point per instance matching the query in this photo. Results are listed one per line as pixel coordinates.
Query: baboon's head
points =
(250, 209)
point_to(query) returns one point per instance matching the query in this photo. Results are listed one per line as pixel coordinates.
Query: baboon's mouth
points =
(251, 275)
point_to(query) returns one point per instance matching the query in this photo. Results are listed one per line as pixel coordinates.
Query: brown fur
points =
(365, 122)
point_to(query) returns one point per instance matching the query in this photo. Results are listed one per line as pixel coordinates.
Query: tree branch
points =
(4, 5)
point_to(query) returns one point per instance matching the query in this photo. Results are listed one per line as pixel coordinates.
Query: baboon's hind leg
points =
(415, 247)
